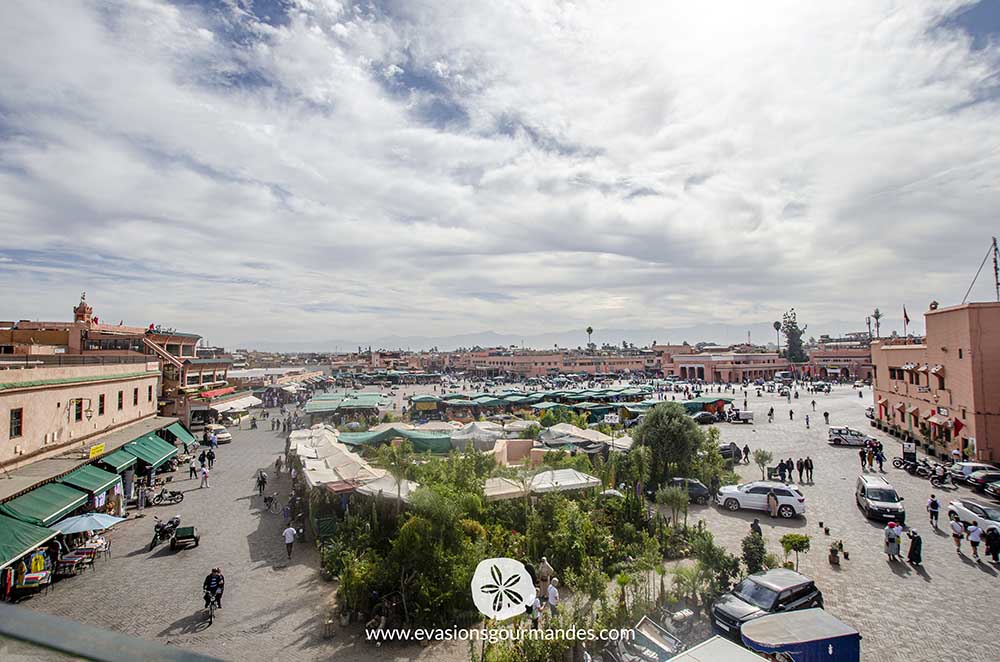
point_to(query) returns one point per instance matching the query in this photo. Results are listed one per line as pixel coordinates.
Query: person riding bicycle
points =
(214, 586)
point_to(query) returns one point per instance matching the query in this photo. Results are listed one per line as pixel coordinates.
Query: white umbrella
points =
(88, 522)
(615, 493)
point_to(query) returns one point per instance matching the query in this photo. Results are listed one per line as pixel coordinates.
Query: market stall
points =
(104, 488)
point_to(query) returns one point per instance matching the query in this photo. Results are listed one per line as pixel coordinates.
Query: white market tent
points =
(621, 444)
(385, 487)
(562, 430)
(239, 404)
(562, 480)
(481, 435)
(499, 489)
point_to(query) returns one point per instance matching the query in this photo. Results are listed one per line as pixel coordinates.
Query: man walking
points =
(864, 457)
(554, 596)
(289, 536)
(809, 469)
(826, 417)
(755, 528)
(807, 421)
(975, 536)
(746, 453)
(193, 469)
(933, 509)
(204, 478)
(800, 465)
(277, 466)
(791, 415)
(261, 482)
(957, 532)
(210, 455)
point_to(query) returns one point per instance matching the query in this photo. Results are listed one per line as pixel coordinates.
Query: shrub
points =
(795, 542)
(754, 553)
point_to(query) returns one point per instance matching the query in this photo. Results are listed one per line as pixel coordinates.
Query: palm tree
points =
(398, 461)
(590, 332)
(877, 315)
(777, 334)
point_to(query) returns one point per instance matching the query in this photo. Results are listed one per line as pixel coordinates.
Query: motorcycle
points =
(944, 481)
(162, 531)
(167, 496)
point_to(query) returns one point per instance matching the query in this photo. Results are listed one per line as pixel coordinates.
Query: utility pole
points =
(996, 269)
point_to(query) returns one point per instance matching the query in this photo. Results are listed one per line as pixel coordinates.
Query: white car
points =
(968, 511)
(961, 471)
(753, 496)
(222, 435)
(844, 436)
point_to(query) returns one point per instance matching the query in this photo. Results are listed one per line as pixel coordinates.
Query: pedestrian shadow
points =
(900, 569)
(984, 566)
(190, 624)
(920, 570)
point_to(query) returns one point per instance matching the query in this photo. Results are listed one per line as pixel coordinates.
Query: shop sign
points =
(96, 450)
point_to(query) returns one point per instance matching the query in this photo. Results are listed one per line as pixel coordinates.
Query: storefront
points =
(104, 488)
(45, 505)
(123, 464)
(21, 552)
(175, 432)
(151, 451)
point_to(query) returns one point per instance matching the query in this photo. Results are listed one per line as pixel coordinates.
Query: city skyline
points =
(305, 171)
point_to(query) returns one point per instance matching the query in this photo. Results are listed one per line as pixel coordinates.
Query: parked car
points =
(697, 492)
(775, 590)
(845, 436)
(967, 511)
(753, 496)
(993, 489)
(870, 412)
(961, 471)
(877, 499)
(222, 435)
(704, 417)
(978, 480)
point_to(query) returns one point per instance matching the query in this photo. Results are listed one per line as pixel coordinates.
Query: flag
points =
(906, 318)
(957, 425)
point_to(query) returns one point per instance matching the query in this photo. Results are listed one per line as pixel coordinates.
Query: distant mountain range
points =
(722, 334)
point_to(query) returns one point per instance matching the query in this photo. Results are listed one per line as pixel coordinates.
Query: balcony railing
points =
(21, 361)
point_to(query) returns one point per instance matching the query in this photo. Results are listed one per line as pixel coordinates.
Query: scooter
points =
(163, 531)
(167, 496)
(945, 481)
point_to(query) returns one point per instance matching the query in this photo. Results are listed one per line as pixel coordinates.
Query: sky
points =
(304, 169)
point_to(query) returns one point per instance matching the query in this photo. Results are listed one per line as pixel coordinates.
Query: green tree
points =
(877, 317)
(762, 458)
(793, 337)
(754, 552)
(590, 332)
(674, 498)
(673, 439)
(398, 461)
(795, 542)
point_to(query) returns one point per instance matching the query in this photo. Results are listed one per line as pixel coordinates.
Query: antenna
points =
(996, 271)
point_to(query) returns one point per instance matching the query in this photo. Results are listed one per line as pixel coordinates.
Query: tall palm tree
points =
(590, 332)
(877, 315)
(777, 334)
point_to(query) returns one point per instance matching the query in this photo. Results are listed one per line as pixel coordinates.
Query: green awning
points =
(119, 460)
(151, 450)
(91, 479)
(17, 538)
(45, 505)
(181, 434)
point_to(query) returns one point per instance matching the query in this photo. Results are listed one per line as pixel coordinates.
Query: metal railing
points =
(20, 361)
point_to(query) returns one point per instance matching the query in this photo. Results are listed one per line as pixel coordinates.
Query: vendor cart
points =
(185, 536)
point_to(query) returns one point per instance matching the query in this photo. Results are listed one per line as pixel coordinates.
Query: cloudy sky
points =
(299, 169)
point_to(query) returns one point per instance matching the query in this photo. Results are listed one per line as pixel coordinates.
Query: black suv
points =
(697, 492)
(774, 590)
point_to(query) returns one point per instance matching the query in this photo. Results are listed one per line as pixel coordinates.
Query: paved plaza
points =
(276, 608)
(944, 611)
(273, 608)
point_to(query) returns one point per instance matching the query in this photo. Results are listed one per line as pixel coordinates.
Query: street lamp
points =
(88, 412)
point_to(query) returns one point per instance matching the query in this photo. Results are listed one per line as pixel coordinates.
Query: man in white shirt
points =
(289, 535)
(957, 531)
(975, 535)
(554, 596)
(536, 609)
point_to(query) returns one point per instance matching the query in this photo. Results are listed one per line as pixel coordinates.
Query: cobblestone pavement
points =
(943, 611)
(272, 607)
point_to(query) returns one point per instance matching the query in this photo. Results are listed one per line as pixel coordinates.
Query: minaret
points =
(82, 312)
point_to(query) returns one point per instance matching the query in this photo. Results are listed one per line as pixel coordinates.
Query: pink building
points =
(729, 367)
(944, 391)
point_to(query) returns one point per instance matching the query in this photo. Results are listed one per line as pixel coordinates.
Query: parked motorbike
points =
(167, 496)
(944, 481)
(162, 531)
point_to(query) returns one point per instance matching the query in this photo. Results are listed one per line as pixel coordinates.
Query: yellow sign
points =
(96, 450)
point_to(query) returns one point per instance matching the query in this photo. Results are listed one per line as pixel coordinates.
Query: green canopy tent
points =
(118, 461)
(91, 479)
(17, 538)
(181, 434)
(434, 442)
(45, 505)
(151, 450)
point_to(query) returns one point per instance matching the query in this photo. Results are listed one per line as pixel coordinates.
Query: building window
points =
(78, 410)
(149, 393)
(100, 405)
(16, 423)
(940, 383)
(121, 400)
(135, 397)
(959, 352)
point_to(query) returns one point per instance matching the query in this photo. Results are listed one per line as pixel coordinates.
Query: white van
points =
(845, 436)
(877, 499)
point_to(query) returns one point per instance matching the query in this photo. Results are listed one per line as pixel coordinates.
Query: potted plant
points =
(835, 553)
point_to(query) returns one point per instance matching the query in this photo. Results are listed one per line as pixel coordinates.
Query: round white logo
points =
(502, 588)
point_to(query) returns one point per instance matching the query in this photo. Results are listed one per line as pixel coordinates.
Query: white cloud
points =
(440, 167)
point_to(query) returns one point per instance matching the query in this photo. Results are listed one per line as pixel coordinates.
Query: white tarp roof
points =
(621, 444)
(386, 487)
(382, 427)
(445, 426)
(477, 431)
(518, 425)
(326, 460)
(560, 430)
(238, 405)
(562, 480)
(498, 489)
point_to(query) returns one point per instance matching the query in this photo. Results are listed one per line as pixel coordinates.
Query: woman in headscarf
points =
(915, 553)
(892, 541)
(772, 503)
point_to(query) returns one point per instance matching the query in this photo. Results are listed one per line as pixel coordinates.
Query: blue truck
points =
(809, 635)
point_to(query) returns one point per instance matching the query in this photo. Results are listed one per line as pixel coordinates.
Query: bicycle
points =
(271, 504)
(213, 604)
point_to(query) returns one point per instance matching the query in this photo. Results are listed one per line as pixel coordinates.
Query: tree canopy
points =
(673, 439)
(793, 337)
